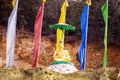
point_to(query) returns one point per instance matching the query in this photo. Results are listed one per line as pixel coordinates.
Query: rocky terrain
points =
(43, 74)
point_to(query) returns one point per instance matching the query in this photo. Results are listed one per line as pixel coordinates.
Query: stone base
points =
(63, 67)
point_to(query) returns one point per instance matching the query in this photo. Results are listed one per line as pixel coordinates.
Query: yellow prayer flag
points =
(63, 12)
(59, 33)
(61, 20)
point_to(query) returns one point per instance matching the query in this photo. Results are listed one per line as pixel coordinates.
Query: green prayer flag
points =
(105, 17)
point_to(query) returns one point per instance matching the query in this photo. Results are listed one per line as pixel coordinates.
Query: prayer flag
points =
(11, 35)
(61, 20)
(37, 31)
(105, 17)
(84, 28)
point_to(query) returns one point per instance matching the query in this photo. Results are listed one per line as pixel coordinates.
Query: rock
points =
(104, 76)
(7, 73)
(118, 76)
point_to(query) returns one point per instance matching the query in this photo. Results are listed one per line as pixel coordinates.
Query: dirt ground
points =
(24, 50)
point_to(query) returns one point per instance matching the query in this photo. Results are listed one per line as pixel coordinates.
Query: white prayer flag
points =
(11, 35)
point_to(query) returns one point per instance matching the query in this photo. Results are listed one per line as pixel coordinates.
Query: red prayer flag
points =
(37, 32)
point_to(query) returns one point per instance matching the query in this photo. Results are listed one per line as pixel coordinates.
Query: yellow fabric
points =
(63, 12)
(44, 1)
(88, 2)
(13, 2)
(61, 20)
(62, 55)
(59, 33)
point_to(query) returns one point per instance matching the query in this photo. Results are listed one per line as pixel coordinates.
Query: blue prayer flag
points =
(84, 27)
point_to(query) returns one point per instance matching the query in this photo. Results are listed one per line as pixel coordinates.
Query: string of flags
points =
(11, 32)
